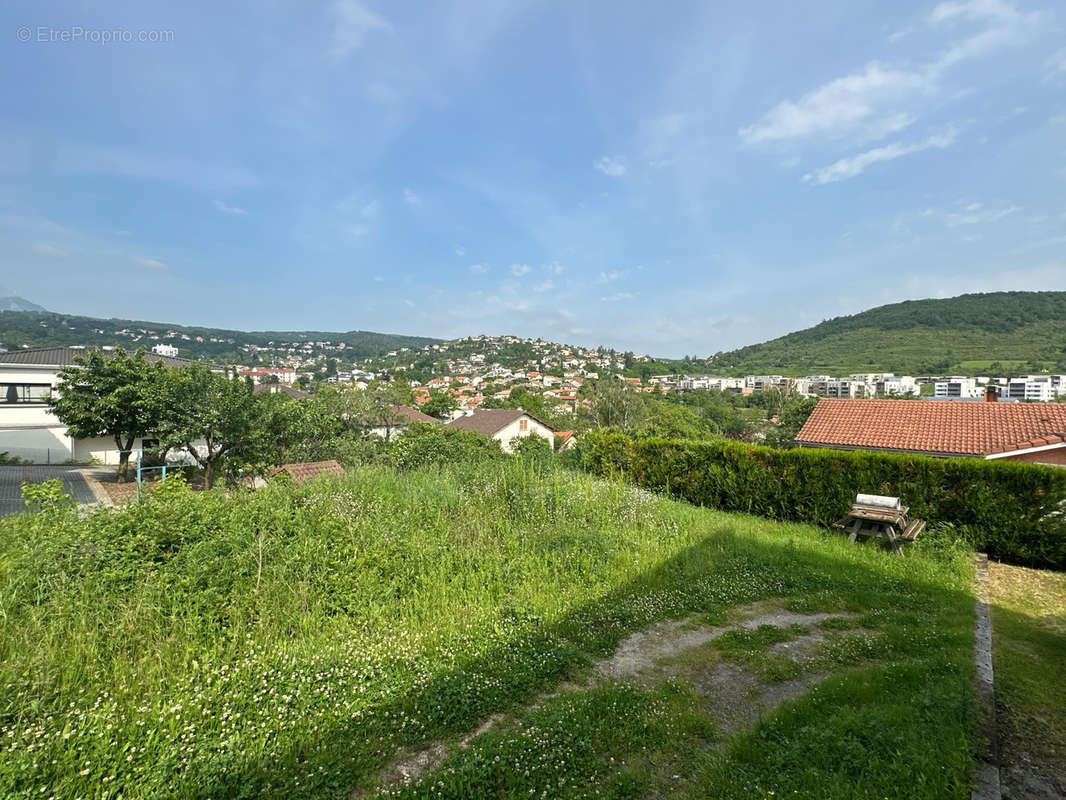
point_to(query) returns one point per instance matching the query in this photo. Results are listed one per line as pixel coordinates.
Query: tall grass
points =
(286, 642)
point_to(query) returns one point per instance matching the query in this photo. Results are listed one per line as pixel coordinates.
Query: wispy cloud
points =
(50, 250)
(460, 251)
(855, 165)
(1056, 65)
(617, 296)
(150, 263)
(878, 100)
(478, 269)
(518, 270)
(226, 209)
(607, 276)
(411, 198)
(611, 165)
(1004, 26)
(154, 167)
(353, 21)
(554, 268)
(840, 106)
(976, 214)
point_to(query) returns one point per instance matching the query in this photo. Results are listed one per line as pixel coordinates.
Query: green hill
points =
(47, 329)
(997, 332)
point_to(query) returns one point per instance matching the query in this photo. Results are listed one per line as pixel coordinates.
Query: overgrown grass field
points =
(290, 642)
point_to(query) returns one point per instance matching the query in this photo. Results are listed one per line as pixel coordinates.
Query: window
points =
(11, 393)
(523, 424)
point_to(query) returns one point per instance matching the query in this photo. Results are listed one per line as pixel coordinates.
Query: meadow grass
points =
(288, 642)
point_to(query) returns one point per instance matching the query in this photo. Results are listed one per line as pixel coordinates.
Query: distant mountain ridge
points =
(13, 303)
(40, 328)
(971, 333)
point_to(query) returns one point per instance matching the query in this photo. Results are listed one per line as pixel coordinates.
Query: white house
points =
(402, 417)
(504, 424)
(28, 428)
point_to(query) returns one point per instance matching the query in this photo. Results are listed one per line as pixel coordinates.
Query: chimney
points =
(991, 395)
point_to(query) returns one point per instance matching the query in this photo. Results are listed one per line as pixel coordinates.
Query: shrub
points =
(46, 494)
(1012, 511)
(428, 444)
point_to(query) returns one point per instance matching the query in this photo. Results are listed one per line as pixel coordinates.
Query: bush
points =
(535, 451)
(1012, 511)
(46, 494)
(427, 444)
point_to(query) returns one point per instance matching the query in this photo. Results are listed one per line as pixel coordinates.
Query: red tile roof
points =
(305, 470)
(942, 427)
(491, 420)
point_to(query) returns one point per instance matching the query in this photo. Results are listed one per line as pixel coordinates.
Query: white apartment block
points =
(1031, 387)
(957, 387)
(168, 350)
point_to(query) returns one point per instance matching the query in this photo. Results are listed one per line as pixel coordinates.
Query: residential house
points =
(504, 424)
(1033, 432)
(402, 417)
(28, 428)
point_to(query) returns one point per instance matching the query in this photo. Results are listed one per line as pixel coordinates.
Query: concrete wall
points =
(534, 428)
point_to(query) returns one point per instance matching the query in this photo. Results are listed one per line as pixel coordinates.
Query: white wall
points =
(534, 428)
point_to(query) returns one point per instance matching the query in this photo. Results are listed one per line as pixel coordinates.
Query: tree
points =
(213, 418)
(440, 404)
(109, 394)
(614, 406)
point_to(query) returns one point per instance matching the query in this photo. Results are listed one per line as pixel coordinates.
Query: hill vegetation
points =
(48, 329)
(998, 333)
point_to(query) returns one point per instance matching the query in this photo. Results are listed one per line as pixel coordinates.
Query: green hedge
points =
(1012, 511)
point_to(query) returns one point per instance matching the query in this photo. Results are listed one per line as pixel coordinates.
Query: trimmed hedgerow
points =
(1013, 511)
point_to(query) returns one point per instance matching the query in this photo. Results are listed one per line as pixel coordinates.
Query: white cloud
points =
(1056, 65)
(50, 250)
(352, 22)
(614, 298)
(1004, 26)
(151, 166)
(149, 263)
(225, 209)
(544, 286)
(411, 198)
(379, 279)
(610, 275)
(840, 106)
(554, 268)
(855, 165)
(478, 269)
(878, 100)
(460, 251)
(409, 303)
(613, 166)
(518, 270)
(365, 218)
(976, 214)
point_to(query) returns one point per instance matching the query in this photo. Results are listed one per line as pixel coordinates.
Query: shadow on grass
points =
(724, 570)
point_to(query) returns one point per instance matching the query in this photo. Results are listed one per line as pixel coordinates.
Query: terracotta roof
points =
(305, 470)
(408, 414)
(64, 356)
(934, 426)
(280, 388)
(490, 420)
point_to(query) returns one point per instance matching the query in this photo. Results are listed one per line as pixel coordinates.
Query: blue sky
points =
(674, 178)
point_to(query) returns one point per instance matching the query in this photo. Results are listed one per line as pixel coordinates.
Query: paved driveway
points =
(76, 483)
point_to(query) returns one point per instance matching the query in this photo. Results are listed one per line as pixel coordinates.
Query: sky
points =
(673, 178)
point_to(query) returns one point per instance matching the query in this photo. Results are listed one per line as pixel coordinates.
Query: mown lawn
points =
(288, 643)
(1029, 648)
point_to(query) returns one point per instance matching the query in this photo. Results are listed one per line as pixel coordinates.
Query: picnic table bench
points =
(878, 517)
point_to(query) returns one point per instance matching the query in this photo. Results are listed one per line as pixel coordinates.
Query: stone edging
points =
(987, 761)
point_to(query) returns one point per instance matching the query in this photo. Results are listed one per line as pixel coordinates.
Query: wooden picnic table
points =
(876, 517)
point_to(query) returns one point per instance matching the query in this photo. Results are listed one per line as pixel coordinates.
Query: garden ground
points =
(490, 631)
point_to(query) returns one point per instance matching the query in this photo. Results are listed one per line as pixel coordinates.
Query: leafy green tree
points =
(213, 418)
(109, 394)
(613, 406)
(440, 404)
